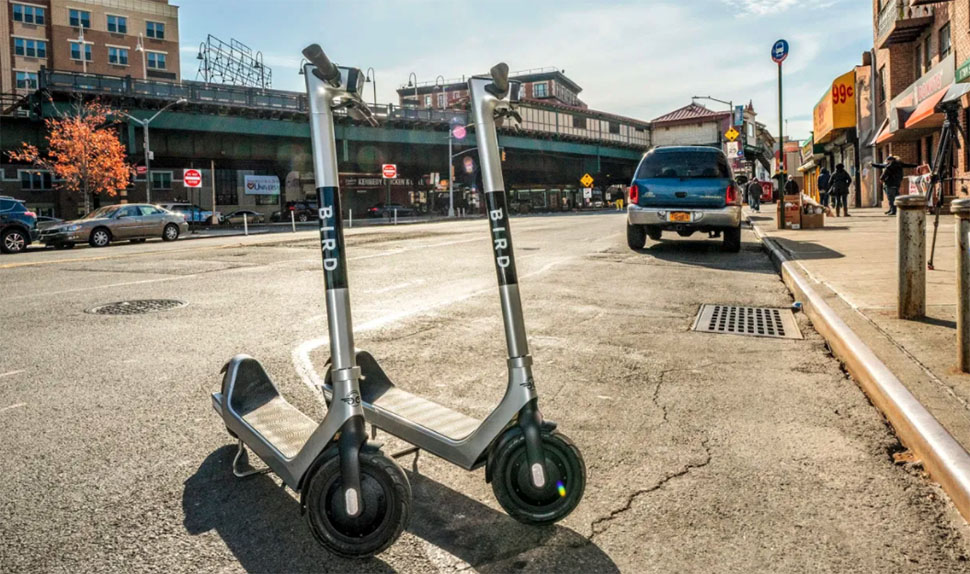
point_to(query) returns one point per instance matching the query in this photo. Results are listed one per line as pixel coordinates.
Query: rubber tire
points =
(91, 239)
(394, 485)
(732, 240)
(11, 231)
(303, 218)
(636, 237)
(654, 233)
(165, 233)
(512, 452)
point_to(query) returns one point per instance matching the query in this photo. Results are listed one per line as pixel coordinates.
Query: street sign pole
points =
(781, 155)
(451, 188)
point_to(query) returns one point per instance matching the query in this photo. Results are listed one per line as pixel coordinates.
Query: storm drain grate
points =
(137, 307)
(754, 321)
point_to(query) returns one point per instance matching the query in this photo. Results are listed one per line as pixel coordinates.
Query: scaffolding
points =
(232, 63)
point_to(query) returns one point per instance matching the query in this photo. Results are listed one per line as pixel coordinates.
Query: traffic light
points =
(503, 155)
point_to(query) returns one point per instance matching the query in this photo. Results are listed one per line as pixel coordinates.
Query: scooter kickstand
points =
(410, 450)
(235, 464)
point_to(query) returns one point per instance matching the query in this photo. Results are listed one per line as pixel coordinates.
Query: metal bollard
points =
(961, 209)
(293, 221)
(395, 217)
(911, 256)
(350, 214)
(245, 225)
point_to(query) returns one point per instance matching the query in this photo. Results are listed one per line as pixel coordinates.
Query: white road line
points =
(95, 287)
(13, 407)
(11, 373)
(395, 287)
(301, 354)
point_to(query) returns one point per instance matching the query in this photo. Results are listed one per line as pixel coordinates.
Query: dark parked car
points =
(302, 211)
(387, 210)
(237, 217)
(18, 225)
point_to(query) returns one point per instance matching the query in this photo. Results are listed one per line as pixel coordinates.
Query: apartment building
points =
(137, 38)
(549, 85)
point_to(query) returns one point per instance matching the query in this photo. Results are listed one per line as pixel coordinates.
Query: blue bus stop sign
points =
(779, 51)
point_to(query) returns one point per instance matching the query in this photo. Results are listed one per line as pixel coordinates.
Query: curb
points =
(947, 462)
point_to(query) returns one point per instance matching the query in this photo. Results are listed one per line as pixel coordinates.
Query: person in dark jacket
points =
(824, 180)
(892, 178)
(791, 186)
(754, 191)
(839, 189)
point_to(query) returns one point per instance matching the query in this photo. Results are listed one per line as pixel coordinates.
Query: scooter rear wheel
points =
(385, 507)
(565, 480)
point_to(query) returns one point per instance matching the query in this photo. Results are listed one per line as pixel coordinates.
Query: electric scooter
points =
(356, 500)
(537, 474)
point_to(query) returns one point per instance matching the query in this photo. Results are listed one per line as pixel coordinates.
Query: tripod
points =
(942, 167)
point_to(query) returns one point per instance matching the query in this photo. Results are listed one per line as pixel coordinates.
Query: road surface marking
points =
(94, 287)
(395, 287)
(10, 373)
(13, 407)
(301, 354)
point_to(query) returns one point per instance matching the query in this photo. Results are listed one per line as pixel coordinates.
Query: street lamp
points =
(372, 78)
(83, 52)
(436, 86)
(140, 47)
(415, 85)
(144, 125)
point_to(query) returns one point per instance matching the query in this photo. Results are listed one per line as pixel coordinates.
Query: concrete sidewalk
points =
(853, 261)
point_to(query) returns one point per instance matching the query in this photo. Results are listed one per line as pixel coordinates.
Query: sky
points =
(634, 58)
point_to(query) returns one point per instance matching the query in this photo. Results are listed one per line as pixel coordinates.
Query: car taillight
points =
(292, 208)
(731, 196)
(634, 194)
(30, 214)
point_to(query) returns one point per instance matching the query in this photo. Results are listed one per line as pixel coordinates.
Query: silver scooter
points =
(537, 475)
(357, 501)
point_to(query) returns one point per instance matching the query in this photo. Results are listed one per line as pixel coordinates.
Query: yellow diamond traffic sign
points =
(732, 134)
(586, 180)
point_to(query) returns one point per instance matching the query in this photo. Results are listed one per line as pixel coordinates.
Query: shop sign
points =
(262, 185)
(963, 72)
(836, 109)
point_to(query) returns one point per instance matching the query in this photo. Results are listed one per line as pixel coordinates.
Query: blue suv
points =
(684, 189)
(18, 225)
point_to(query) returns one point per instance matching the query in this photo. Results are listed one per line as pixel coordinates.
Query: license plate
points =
(680, 216)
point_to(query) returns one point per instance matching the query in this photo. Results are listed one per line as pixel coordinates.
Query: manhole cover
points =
(137, 307)
(754, 321)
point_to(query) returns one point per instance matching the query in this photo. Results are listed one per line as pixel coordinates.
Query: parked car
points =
(134, 222)
(43, 221)
(684, 189)
(302, 211)
(237, 217)
(387, 210)
(192, 213)
(18, 225)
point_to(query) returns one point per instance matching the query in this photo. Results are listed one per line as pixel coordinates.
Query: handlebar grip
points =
(325, 68)
(500, 80)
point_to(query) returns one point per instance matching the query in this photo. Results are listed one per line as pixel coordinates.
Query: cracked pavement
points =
(705, 453)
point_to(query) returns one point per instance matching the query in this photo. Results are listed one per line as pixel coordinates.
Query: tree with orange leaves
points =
(84, 152)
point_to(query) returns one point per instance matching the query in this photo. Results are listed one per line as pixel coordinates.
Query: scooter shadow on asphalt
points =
(261, 524)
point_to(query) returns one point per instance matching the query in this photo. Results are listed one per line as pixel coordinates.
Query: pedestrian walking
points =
(824, 180)
(791, 186)
(839, 189)
(892, 178)
(753, 189)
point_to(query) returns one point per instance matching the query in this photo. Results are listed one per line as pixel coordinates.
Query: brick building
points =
(544, 84)
(137, 38)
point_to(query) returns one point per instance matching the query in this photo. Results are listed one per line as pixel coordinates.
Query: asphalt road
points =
(705, 453)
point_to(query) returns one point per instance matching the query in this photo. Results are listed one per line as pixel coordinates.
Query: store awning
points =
(807, 166)
(925, 116)
(882, 135)
(956, 92)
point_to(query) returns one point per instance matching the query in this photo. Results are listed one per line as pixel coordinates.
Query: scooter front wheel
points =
(565, 480)
(385, 507)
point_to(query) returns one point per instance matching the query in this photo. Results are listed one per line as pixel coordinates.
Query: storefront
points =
(834, 122)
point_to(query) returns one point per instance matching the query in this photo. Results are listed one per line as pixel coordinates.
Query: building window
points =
(30, 48)
(35, 180)
(614, 127)
(441, 100)
(155, 30)
(27, 80)
(540, 90)
(118, 24)
(161, 180)
(267, 199)
(918, 61)
(881, 85)
(118, 56)
(427, 101)
(579, 122)
(28, 14)
(76, 51)
(945, 41)
(156, 60)
(80, 19)
(927, 51)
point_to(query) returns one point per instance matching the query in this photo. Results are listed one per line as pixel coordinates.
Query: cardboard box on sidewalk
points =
(813, 220)
(793, 211)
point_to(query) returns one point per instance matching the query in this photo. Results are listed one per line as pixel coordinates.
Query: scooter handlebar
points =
(325, 69)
